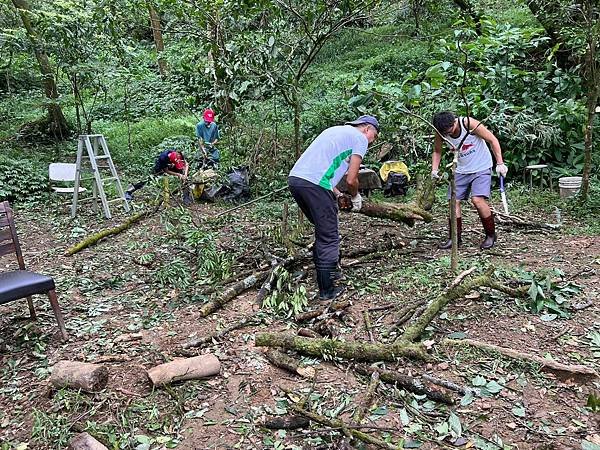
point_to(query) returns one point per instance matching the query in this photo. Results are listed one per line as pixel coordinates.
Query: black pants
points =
(319, 206)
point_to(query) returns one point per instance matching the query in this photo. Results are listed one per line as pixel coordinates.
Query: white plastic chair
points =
(63, 172)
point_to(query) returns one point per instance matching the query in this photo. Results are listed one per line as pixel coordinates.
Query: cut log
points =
(411, 384)
(545, 363)
(184, 369)
(84, 441)
(78, 375)
(233, 291)
(286, 362)
(341, 349)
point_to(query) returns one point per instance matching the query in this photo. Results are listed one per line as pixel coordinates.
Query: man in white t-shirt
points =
(473, 177)
(312, 182)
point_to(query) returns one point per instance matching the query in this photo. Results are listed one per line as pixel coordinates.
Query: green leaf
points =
(519, 411)
(478, 381)
(467, 398)
(455, 425)
(493, 387)
(404, 417)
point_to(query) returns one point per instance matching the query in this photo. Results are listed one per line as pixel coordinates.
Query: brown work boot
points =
(448, 244)
(490, 232)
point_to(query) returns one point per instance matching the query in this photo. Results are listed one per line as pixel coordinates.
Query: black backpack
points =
(396, 184)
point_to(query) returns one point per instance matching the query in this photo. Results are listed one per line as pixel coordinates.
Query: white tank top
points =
(474, 155)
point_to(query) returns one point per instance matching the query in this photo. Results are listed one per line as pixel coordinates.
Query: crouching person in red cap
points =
(207, 133)
(336, 151)
(168, 162)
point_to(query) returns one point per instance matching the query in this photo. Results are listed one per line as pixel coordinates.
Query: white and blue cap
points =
(365, 119)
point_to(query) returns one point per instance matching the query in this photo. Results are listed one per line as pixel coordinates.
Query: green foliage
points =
(287, 297)
(549, 294)
(22, 179)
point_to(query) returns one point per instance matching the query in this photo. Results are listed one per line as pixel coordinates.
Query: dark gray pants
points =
(319, 206)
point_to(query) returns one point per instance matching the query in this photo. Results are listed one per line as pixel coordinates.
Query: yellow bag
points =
(393, 166)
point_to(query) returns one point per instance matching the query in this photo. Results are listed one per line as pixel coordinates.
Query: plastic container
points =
(569, 186)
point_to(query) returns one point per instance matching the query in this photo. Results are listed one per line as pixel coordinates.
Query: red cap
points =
(209, 115)
(176, 159)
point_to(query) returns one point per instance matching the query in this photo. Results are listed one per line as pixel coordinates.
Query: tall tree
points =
(298, 35)
(158, 39)
(575, 26)
(57, 123)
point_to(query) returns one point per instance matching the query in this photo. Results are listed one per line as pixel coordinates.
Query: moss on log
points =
(341, 349)
(406, 213)
(94, 238)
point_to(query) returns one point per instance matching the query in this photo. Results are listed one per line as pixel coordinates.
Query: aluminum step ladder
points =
(92, 153)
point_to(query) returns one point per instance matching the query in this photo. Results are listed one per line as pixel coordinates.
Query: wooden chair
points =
(17, 284)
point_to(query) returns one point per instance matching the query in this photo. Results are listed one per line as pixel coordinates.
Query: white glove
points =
(356, 203)
(501, 170)
(435, 175)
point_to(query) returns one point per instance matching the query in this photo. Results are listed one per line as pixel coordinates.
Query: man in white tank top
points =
(473, 178)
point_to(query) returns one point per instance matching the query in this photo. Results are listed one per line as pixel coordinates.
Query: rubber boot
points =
(327, 291)
(448, 244)
(187, 197)
(490, 232)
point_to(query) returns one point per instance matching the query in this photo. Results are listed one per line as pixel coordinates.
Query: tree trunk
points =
(406, 213)
(341, 349)
(58, 124)
(296, 107)
(592, 77)
(158, 40)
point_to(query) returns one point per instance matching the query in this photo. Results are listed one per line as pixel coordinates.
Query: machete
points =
(503, 195)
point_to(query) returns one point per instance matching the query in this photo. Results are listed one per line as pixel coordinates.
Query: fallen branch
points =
(348, 431)
(459, 288)
(520, 222)
(546, 363)
(408, 383)
(94, 238)
(446, 384)
(215, 336)
(288, 363)
(341, 349)
(309, 315)
(233, 291)
(360, 412)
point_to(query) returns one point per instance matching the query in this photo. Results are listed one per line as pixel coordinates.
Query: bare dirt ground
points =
(118, 314)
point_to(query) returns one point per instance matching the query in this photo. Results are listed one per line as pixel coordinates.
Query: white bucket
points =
(569, 186)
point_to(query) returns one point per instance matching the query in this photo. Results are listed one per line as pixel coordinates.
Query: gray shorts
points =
(473, 185)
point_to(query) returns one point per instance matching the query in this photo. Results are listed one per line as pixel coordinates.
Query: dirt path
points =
(117, 311)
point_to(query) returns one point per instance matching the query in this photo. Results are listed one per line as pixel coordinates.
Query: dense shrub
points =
(21, 179)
